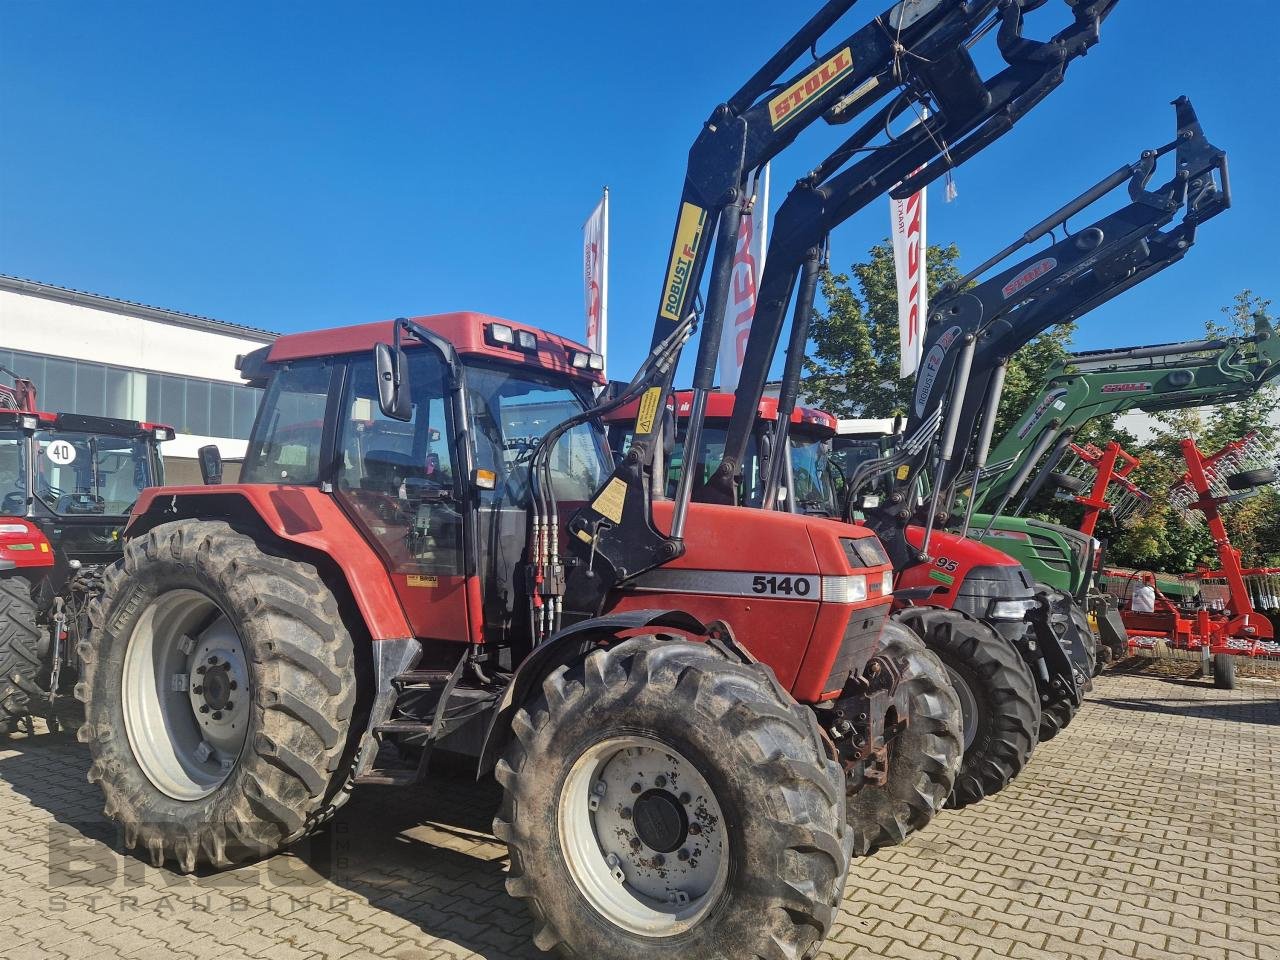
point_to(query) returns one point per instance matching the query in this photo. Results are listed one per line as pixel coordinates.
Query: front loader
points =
(1081, 388)
(67, 484)
(976, 324)
(430, 549)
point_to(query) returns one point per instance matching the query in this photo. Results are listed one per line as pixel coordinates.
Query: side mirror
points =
(210, 458)
(393, 387)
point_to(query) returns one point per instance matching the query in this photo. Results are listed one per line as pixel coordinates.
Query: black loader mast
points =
(967, 114)
(976, 325)
(917, 52)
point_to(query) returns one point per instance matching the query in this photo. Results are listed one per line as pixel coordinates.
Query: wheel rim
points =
(968, 706)
(643, 836)
(187, 694)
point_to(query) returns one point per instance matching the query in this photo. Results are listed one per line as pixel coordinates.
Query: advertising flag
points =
(909, 250)
(595, 276)
(748, 267)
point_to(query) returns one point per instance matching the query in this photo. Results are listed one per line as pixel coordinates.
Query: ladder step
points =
(422, 678)
(389, 778)
(403, 726)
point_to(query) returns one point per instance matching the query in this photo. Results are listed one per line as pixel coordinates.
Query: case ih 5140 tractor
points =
(967, 621)
(430, 545)
(921, 765)
(67, 484)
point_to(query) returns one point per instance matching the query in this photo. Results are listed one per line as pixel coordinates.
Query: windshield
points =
(712, 452)
(87, 474)
(512, 412)
(13, 485)
(812, 473)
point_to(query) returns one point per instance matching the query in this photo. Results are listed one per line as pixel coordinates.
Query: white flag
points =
(595, 275)
(748, 268)
(909, 252)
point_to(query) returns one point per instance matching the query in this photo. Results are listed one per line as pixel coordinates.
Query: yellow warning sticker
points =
(611, 500)
(904, 471)
(689, 233)
(788, 105)
(648, 410)
(416, 581)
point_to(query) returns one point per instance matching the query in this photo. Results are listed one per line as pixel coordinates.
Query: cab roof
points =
(83, 423)
(467, 331)
(720, 407)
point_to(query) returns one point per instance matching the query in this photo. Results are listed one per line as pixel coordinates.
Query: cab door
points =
(398, 482)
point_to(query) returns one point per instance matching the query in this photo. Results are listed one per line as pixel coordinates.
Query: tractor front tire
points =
(998, 700)
(21, 638)
(924, 761)
(661, 801)
(218, 685)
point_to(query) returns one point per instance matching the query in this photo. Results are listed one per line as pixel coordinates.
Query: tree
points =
(854, 370)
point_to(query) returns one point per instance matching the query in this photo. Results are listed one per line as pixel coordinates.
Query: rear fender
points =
(303, 517)
(571, 645)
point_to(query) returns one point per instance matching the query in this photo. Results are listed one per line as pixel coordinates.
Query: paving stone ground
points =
(1149, 829)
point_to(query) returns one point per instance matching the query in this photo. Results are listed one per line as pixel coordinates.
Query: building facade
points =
(97, 355)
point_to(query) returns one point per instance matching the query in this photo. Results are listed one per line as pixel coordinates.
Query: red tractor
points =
(969, 606)
(431, 548)
(364, 597)
(67, 484)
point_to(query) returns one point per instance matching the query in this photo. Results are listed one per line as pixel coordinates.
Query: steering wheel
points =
(14, 503)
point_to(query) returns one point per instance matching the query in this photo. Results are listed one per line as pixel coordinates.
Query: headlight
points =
(887, 582)
(1010, 609)
(851, 589)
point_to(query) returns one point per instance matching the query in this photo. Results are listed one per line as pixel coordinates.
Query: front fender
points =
(567, 646)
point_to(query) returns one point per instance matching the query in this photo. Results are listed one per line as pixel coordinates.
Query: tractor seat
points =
(385, 470)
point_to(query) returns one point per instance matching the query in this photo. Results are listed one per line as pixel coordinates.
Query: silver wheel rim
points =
(968, 706)
(187, 694)
(643, 836)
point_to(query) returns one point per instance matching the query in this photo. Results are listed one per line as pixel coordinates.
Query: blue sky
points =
(298, 165)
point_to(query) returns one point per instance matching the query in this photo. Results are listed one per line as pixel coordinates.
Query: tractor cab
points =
(810, 478)
(67, 485)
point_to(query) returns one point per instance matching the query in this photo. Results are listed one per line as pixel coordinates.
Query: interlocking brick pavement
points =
(1149, 829)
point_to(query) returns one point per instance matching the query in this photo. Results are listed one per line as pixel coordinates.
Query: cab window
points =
(398, 477)
(285, 446)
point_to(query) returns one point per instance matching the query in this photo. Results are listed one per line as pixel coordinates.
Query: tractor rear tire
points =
(997, 698)
(1224, 671)
(21, 638)
(661, 801)
(275, 642)
(923, 762)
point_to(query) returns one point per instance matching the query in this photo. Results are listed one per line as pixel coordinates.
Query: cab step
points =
(421, 680)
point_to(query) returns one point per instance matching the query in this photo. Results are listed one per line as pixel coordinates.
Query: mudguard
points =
(564, 647)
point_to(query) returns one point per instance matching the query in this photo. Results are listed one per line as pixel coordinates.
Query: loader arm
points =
(918, 50)
(857, 173)
(1150, 379)
(976, 325)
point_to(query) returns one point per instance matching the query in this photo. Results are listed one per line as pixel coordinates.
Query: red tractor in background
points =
(67, 484)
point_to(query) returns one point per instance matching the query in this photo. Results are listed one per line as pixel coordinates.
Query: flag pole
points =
(604, 286)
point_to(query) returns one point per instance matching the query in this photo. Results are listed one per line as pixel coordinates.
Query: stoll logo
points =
(689, 233)
(1029, 276)
(788, 105)
(932, 364)
(1141, 387)
(1050, 398)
